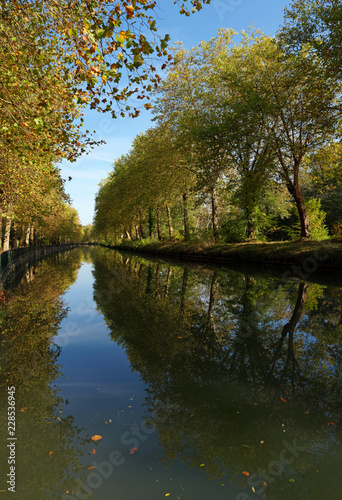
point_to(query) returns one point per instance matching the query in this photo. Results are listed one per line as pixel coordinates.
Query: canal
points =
(141, 378)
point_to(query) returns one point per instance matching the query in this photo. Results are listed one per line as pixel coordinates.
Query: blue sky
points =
(88, 171)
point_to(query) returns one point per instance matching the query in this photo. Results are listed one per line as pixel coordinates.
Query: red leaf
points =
(133, 450)
(245, 473)
(283, 400)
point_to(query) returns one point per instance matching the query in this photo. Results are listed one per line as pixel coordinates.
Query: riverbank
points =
(310, 255)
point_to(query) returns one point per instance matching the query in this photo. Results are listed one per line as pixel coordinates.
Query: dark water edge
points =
(225, 378)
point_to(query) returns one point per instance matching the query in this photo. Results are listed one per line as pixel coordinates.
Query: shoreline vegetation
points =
(310, 255)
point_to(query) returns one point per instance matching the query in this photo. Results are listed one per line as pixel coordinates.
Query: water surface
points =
(203, 382)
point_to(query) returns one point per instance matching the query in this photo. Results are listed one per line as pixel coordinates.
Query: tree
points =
(302, 104)
(317, 23)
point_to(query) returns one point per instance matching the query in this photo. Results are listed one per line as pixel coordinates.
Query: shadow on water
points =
(243, 373)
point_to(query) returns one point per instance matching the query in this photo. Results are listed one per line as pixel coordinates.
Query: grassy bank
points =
(310, 254)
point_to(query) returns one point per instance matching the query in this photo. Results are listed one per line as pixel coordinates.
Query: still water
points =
(203, 381)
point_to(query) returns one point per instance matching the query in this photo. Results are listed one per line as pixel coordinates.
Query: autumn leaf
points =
(91, 467)
(283, 400)
(331, 423)
(50, 453)
(245, 473)
(129, 11)
(133, 450)
(24, 408)
(94, 451)
(96, 437)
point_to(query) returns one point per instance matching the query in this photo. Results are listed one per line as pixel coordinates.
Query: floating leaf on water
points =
(331, 423)
(291, 480)
(93, 451)
(253, 489)
(96, 437)
(133, 450)
(262, 442)
(91, 467)
(202, 465)
(283, 400)
(50, 453)
(24, 408)
(245, 473)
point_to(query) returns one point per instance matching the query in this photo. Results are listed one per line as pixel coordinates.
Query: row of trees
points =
(56, 58)
(248, 131)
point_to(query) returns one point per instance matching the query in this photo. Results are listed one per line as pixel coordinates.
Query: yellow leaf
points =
(96, 437)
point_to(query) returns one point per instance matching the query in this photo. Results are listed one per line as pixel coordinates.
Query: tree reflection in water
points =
(49, 445)
(240, 369)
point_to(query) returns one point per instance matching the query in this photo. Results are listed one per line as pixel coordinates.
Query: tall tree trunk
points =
(214, 216)
(7, 232)
(137, 235)
(142, 234)
(150, 222)
(168, 213)
(14, 243)
(160, 237)
(295, 191)
(128, 236)
(186, 220)
(32, 236)
(22, 235)
(251, 230)
(27, 236)
(303, 215)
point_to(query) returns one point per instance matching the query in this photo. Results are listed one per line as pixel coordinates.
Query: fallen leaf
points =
(202, 465)
(91, 467)
(291, 480)
(331, 423)
(94, 451)
(253, 489)
(306, 413)
(96, 437)
(150, 467)
(24, 408)
(283, 400)
(245, 473)
(133, 450)
(50, 453)
(262, 442)
(179, 337)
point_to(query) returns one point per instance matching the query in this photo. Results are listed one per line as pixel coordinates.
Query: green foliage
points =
(318, 229)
